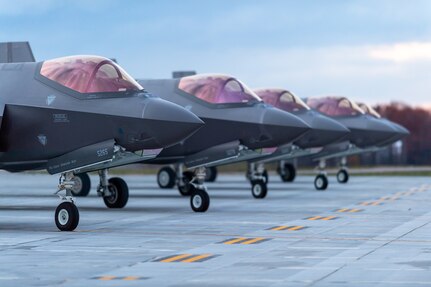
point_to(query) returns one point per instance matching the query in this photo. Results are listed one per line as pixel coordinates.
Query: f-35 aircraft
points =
(238, 126)
(78, 114)
(369, 133)
(324, 131)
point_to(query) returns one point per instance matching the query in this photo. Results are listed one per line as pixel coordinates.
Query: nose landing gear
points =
(66, 214)
(343, 174)
(258, 177)
(321, 180)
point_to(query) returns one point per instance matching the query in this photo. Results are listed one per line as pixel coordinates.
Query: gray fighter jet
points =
(324, 131)
(369, 133)
(78, 114)
(238, 126)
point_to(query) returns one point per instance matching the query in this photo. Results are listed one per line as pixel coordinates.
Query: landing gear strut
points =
(343, 174)
(66, 214)
(115, 191)
(321, 180)
(286, 171)
(256, 175)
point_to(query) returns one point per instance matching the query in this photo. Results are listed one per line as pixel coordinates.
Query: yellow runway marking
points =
(106, 278)
(296, 228)
(176, 258)
(196, 258)
(130, 278)
(236, 240)
(254, 240)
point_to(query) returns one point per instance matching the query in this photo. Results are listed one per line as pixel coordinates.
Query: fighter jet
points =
(238, 126)
(324, 131)
(78, 114)
(369, 133)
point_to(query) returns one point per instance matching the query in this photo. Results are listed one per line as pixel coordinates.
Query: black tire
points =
(66, 216)
(166, 177)
(259, 189)
(120, 193)
(211, 174)
(82, 185)
(321, 182)
(185, 190)
(265, 176)
(199, 200)
(289, 173)
(342, 176)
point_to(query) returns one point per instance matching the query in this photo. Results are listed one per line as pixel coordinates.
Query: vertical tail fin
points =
(16, 52)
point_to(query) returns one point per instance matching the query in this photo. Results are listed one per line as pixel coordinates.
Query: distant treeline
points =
(416, 147)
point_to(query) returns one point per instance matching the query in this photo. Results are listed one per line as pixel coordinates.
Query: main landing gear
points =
(343, 174)
(321, 180)
(258, 178)
(82, 185)
(114, 191)
(287, 171)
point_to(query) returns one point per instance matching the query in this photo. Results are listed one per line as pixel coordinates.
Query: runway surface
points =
(373, 231)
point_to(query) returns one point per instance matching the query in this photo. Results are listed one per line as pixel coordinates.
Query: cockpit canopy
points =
(282, 99)
(89, 74)
(369, 110)
(335, 106)
(217, 89)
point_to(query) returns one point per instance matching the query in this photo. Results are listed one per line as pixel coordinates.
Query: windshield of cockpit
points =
(282, 99)
(217, 89)
(335, 106)
(369, 110)
(89, 74)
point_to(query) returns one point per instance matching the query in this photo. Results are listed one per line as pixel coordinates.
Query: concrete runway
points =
(373, 231)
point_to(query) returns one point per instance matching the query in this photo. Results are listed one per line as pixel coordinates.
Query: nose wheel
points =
(66, 216)
(321, 182)
(199, 199)
(259, 189)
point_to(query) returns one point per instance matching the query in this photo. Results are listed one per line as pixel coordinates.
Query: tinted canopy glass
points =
(335, 106)
(369, 110)
(89, 74)
(282, 99)
(217, 89)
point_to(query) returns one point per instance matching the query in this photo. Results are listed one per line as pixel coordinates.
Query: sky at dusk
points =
(372, 51)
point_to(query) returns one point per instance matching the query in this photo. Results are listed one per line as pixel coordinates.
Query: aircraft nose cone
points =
(324, 130)
(401, 130)
(169, 123)
(399, 133)
(282, 127)
(376, 132)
